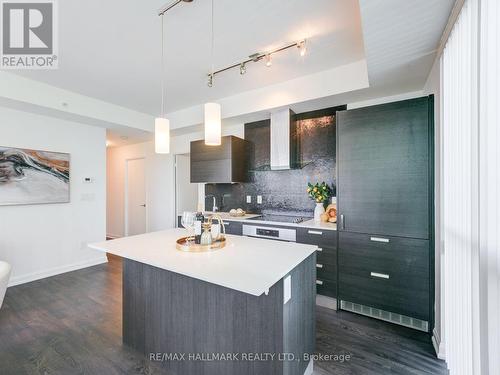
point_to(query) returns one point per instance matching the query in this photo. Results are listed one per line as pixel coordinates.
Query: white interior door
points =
(135, 220)
(186, 197)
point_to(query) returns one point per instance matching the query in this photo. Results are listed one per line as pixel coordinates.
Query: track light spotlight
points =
(302, 47)
(268, 60)
(210, 82)
(243, 68)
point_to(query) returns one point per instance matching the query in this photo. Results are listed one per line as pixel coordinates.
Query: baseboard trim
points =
(56, 271)
(328, 302)
(438, 345)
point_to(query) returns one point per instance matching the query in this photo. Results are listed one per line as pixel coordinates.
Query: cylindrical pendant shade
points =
(162, 135)
(212, 124)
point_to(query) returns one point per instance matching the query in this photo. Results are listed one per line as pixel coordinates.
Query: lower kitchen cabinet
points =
(386, 273)
(326, 261)
(326, 287)
(318, 237)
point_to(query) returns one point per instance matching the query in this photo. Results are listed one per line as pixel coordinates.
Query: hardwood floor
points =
(71, 324)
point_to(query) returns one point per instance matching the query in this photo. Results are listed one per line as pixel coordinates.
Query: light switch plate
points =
(259, 199)
(287, 289)
(249, 199)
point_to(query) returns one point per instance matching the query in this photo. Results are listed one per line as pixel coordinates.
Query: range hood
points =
(284, 145)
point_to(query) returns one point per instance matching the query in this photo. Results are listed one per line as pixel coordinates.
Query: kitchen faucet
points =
(214, 208)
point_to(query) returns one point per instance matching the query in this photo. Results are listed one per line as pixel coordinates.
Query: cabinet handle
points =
(342, 222)
(379, 239)
(379, 275)
(319, 249)
(319, 282)
(319, 265)
(227, 223)
(315, 232)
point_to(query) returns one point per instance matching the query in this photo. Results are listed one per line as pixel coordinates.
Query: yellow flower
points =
(308, 190)
(315, 189)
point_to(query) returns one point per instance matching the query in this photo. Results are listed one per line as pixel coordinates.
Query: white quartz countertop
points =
(318, 225)
(249, 265)
(255, 220)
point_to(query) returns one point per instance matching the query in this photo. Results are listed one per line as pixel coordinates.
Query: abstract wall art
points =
(33, 176)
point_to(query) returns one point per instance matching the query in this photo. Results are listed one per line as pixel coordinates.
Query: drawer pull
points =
(315, 232)
(319, 282)
(319, 265)
(379, 239)
(379, 275)
(319, 249)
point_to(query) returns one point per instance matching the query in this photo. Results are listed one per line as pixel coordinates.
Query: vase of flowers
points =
(320, 193)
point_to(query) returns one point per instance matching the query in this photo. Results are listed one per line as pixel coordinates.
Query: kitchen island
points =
(248, 308)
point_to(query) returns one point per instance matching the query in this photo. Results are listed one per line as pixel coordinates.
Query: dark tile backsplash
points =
(283, 191)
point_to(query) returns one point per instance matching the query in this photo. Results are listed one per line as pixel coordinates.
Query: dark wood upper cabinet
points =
(220, 164)
(384, 168)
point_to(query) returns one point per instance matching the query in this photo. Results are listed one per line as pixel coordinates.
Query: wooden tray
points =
(182, 245)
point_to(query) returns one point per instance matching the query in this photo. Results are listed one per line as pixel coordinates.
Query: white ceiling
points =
(110, 49)
(401, 39)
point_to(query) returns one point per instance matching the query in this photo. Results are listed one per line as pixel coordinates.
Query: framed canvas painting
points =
(33, 176)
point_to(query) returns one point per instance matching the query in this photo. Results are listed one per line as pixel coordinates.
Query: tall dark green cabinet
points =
(385, 206)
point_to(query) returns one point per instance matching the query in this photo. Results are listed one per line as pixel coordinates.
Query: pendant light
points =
(162, 124)
(213, 126)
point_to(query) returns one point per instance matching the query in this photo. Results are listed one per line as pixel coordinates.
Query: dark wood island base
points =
(193, 327)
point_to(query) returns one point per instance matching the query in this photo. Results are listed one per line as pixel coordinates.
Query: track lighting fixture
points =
(256, 57)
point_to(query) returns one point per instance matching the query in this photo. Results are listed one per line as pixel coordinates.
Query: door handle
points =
(319, 282)
(319, 249)
(319, 265)
(379, 239)
(379, 275)
(342, 220)
(143, 205)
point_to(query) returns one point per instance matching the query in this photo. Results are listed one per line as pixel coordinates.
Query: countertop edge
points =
(255, 292)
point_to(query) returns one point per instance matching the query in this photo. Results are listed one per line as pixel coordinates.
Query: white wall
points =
(160, 180)
(43, 240)
(159, 187)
